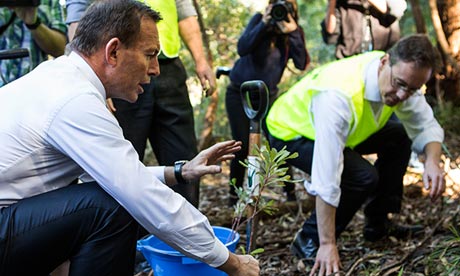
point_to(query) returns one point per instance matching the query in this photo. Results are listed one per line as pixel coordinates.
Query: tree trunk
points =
(418, 17)
(445, 15)
(206, 137)
(449, 12)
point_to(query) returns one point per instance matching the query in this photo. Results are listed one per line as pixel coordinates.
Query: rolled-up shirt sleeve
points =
(185, 9)
(94, 140)
(331, 113)
(418, 119)
(75, 10)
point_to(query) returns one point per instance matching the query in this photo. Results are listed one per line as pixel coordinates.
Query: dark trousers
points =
(163, 115)
(80, 223)
(380, 186)
(239, 125)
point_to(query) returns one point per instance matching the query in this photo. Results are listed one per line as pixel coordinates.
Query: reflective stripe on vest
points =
(290, 117)
(168, 28)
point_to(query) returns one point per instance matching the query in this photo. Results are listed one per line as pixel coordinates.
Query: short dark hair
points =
(415, 48)
(106, 19)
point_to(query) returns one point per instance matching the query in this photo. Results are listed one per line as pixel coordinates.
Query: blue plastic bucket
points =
(166, 261)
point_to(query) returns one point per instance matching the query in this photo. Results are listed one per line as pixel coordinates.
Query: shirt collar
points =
(371, 81)
(86, 69)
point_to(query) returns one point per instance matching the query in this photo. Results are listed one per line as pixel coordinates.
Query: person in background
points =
(163, 114)
(340, 111)
(44, 220)
(40, 29)
(358, 26)
(264, 48)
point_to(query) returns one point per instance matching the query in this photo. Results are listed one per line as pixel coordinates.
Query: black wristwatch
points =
(178, 171)
(35, 25)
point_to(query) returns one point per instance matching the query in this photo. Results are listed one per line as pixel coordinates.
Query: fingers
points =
(225, 158)
(436, 183)
(438, 186)
(314, 268)
(324, 269)
(226, 147)
(207, 79)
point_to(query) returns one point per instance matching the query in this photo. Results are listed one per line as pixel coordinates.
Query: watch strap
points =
(34, 25)
(178, 171)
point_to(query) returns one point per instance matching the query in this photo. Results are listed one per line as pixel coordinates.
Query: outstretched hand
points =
(327, 261)
(433, 180)
(208, 160)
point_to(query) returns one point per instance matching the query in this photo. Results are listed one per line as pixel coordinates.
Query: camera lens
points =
(279, 12)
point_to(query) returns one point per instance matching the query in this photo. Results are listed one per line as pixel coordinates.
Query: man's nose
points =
(154, 68)
(401, 94)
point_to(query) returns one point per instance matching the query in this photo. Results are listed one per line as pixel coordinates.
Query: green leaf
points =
(257, 251)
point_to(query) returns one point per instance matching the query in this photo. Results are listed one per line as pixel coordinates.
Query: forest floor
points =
(436, 252)
(389, 256)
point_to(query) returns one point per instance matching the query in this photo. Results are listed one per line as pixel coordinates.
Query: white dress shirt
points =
(54, 126)
(332, 114)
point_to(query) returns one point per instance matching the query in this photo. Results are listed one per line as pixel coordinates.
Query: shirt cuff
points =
(332, 197)
(219, 254)
(158, 172)
(419, 143)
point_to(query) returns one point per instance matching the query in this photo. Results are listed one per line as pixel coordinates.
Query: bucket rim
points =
(142, 245)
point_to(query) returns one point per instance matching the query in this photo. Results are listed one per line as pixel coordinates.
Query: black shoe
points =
(303, 247)
(375, 230)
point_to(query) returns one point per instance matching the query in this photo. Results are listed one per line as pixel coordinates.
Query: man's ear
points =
(383, 61)
(112, 49)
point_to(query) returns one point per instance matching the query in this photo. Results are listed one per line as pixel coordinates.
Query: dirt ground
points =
(389, 256)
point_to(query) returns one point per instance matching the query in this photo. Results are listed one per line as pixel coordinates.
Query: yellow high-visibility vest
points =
(168, 28)
(290, 117)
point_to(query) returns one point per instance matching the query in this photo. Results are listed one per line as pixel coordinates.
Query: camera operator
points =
(266, 45)
(40, 29)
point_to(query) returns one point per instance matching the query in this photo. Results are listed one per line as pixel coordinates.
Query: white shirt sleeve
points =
(94, 140)
(331, 121)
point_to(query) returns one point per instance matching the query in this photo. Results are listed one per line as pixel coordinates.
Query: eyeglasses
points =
(397, 84)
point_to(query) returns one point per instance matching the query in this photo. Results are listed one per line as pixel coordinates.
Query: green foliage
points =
(254, 252)
(448, 116)
(445, 258)
(271, 172)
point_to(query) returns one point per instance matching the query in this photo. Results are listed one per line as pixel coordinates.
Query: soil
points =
(388, 256)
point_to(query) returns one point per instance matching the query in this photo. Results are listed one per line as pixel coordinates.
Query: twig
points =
(393, 270)
(361, 260)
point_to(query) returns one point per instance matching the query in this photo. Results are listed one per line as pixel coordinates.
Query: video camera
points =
(281, 9)
(19, 3)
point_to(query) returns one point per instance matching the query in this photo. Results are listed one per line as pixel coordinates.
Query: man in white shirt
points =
(340, 111)
(61, 130)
